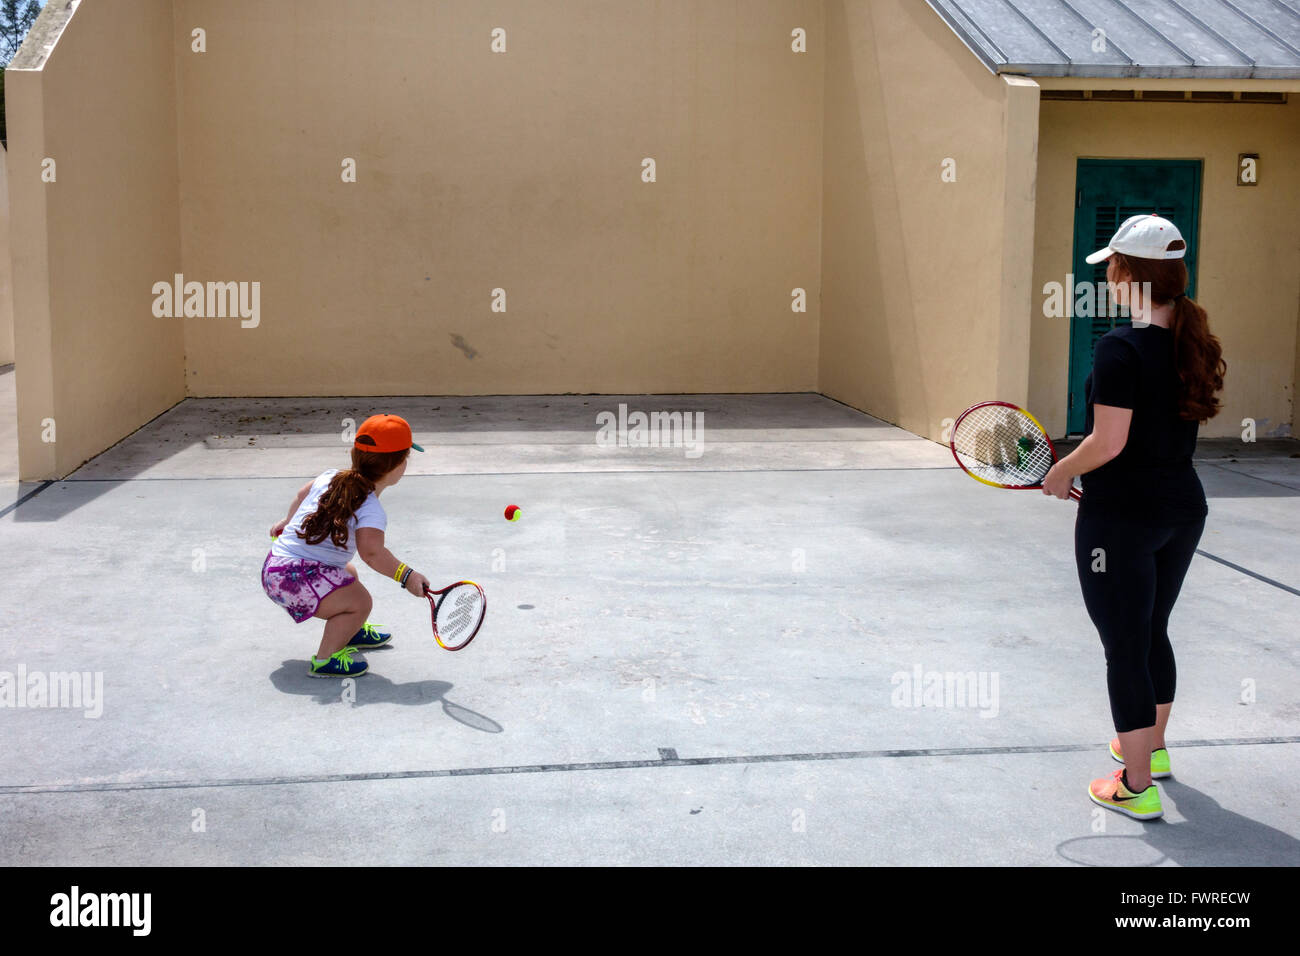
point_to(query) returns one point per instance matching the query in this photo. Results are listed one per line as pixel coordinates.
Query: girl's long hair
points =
(345, 494)
(1198, 356)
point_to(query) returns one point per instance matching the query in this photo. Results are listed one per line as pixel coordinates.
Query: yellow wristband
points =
(397, 575)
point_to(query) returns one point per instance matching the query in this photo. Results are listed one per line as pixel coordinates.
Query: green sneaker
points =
(338, 664)
(1159, 760)
(1112, 793)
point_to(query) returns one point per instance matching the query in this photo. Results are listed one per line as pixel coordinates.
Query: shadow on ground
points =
(291, 678)
(1208, 835)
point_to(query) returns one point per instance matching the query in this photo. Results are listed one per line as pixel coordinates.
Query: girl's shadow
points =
(291, 678)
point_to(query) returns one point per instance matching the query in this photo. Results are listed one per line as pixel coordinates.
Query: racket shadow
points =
(470, 718)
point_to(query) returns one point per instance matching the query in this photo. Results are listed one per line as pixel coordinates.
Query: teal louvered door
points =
(1108, 192)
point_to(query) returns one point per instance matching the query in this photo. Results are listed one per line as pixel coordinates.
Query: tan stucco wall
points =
(1295, 380)
(477, 170)
(6, 269)
(519, 171)
(1249, 256)
(926, 283)
(88, 247)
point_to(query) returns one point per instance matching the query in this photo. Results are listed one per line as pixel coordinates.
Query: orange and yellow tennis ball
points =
(512, 512)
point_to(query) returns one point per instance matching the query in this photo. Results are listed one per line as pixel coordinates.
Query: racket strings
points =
(1002, 445)
(458, 614)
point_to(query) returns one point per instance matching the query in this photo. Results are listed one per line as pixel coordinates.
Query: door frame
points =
(1191, 235)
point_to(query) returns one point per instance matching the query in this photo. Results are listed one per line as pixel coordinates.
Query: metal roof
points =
(1220, 39)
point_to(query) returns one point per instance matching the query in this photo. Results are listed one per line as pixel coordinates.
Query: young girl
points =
(1143, 507)
(309, 569)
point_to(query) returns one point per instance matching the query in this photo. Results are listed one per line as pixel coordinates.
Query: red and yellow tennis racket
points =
(457, 611)
(1002, 445)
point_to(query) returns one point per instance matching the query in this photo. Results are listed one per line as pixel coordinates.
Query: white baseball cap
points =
(1144, 237)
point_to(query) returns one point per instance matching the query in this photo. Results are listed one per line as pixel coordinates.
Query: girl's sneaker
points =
(1110, 792)
(369, 637)
(338, 664)
(1159, 760)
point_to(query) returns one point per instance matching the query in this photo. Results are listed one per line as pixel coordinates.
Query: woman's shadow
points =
(376, 689)
(1210, 835)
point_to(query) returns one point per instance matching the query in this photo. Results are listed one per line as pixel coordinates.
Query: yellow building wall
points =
(6, 268)
(926, 282)
(519, 171)
(522, 171)
(1249, 255)
(1295, 381)
(93, 363)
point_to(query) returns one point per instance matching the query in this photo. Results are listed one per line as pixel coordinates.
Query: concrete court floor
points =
(685, 660)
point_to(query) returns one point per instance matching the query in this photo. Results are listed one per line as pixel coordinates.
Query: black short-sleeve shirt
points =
(1153, 477)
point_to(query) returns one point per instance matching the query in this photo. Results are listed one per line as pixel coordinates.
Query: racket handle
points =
(1076, 494)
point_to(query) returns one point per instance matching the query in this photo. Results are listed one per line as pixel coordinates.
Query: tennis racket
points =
(457, 611)
(1002, 445)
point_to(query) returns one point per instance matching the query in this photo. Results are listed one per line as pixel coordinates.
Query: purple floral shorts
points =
(299, 586)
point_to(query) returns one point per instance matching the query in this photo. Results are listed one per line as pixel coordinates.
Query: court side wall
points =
(1249, 255)
(88, 247)
(519, 171)
(6, 269)
(926, 283)
(1295, 381)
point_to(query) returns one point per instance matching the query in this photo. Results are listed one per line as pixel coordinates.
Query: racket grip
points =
(1076, 494)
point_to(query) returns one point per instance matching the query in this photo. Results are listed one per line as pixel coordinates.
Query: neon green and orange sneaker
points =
(1110, 792)
(1159, 760)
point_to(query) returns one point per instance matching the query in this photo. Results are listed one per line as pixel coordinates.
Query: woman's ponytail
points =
(1199, 359)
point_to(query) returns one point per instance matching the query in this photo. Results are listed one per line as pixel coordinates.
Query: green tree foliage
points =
(16, 18)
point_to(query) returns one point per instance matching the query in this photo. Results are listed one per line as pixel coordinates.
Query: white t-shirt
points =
(290, 545)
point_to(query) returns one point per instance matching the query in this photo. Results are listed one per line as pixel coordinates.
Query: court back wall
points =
(518, 171)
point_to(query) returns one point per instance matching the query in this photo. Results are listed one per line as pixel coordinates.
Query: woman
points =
(1143, 507)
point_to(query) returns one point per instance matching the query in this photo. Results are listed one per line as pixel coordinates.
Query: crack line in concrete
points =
(16, 789)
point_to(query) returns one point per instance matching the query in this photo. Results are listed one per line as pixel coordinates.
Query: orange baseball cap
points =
(385, 433)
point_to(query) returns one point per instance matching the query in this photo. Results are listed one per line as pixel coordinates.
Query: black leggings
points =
(1129, 602)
